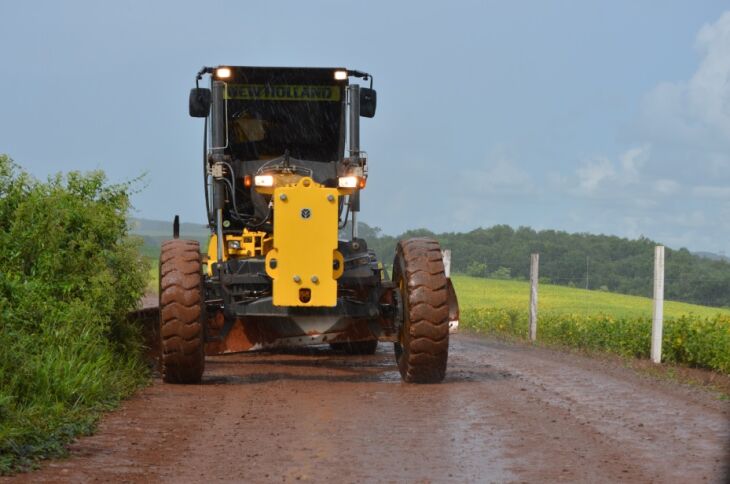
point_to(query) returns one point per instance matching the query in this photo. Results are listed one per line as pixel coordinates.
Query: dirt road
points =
(505, 413)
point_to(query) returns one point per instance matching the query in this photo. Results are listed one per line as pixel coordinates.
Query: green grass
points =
(153, 286)
(477, 292)
(697, 336)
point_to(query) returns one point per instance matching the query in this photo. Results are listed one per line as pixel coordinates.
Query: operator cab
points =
(269, 120)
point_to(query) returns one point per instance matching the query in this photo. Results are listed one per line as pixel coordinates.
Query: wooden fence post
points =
(657, 322)
(534, 271)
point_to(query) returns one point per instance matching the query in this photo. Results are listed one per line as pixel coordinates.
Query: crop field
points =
(694, 335)
(477, 292)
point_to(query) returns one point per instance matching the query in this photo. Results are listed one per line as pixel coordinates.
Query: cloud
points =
(709, 191)
(698, 110)
(501, 176)
(673, 182)
(632, 161)
(600, 173)
(665, 186)
(593, 173)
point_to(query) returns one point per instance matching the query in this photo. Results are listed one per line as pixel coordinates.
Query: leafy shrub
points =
(68, 276)
(476, 269)
(502, 273)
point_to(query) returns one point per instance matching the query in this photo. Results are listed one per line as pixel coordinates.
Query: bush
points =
(476, 269)
(689, 340)
(502, 273)
(68, 276)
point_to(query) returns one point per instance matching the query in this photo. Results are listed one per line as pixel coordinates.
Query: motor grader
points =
(280, 186)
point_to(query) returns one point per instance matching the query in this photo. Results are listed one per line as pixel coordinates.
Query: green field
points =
(475, 292)
(600, 321)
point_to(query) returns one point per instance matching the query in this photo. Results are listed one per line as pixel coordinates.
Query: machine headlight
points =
(223, 73)
(340, 75)
(234, 244)
(264, 180)
(347, 182)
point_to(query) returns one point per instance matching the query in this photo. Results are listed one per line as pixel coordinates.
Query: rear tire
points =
(356, 347)
(423, 343)
(181, 312)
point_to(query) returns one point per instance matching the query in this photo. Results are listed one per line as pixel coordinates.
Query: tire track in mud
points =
(504, 413)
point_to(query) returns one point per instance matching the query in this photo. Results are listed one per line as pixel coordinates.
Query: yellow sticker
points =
(281, 92)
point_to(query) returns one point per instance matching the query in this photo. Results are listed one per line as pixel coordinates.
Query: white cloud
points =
(500, 176)
(632, 161)
(709, 191)
(601, 174)
(593, 173)
(695, 219)
(665, 186)
(696, 111)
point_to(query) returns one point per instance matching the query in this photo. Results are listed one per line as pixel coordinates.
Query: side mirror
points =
(368, 102)
(200, 98)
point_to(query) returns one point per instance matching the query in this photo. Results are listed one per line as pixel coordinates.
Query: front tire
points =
(422, 349)
(181, 312)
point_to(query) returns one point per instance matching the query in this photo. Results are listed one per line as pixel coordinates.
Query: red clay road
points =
(505, 413)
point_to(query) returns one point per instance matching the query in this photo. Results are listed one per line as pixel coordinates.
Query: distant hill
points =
(712, 256)
(156, 228)
(586, 261)
(154, 232)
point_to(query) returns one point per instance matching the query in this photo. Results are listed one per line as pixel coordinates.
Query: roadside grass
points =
(153, 284)
(68, 277)
(695, 336)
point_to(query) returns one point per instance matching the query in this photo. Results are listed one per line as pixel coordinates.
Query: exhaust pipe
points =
(353, 92)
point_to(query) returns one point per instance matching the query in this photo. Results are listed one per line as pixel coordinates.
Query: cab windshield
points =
(266, 120)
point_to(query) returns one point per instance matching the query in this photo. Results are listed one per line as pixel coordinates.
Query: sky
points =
(600, 117)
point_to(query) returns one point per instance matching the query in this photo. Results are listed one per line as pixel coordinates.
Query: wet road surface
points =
(505, 413)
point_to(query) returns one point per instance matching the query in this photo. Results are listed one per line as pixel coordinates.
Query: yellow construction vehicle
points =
(280, 185)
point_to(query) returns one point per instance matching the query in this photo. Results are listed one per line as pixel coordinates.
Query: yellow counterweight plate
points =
(305, 245)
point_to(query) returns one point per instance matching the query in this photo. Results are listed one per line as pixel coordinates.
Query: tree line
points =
(598, 262)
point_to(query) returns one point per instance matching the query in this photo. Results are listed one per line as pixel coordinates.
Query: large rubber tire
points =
(356, 347)
(181, 312)
(422, 349)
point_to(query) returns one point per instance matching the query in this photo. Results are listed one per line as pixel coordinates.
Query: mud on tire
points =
(423, 347)
(181, 317)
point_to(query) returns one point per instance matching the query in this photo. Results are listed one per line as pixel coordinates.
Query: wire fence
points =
(695, 288)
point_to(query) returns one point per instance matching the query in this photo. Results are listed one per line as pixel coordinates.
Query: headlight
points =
(347, 182)
(340, 75)
(234, 244)
(223, 73)
(264, 180)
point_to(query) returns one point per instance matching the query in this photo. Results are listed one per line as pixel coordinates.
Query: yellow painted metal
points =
(212, 254)
(251, 244)
(305, 245)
